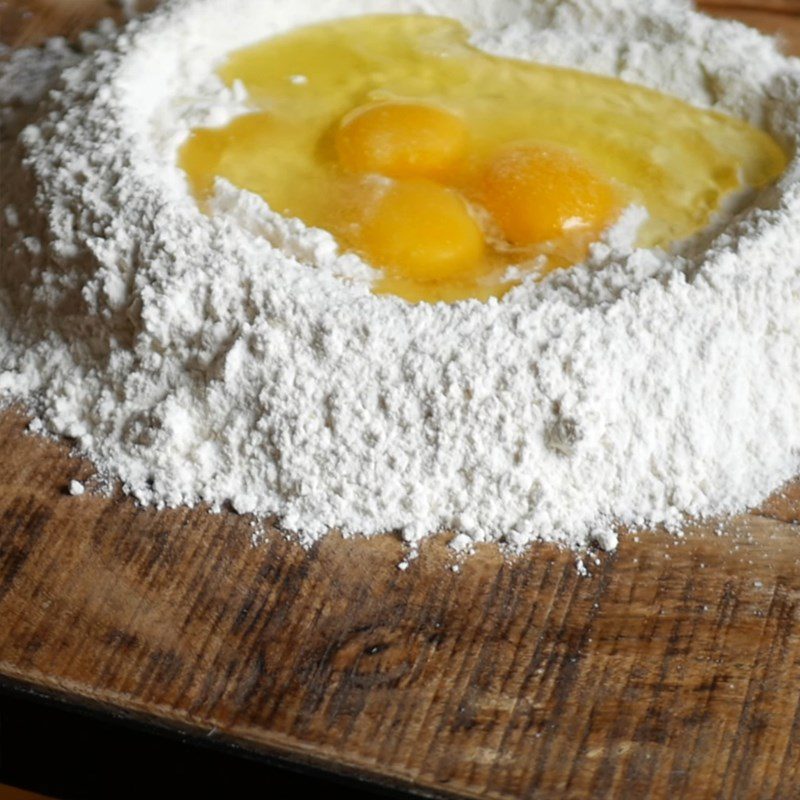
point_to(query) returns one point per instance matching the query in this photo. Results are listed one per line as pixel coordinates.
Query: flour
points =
(239, 358)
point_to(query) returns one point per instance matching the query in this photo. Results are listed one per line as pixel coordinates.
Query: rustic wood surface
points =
(673, 671)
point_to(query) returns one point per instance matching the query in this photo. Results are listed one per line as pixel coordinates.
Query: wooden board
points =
(673, 671)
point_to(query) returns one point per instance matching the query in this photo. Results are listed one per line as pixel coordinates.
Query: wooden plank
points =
(677, 657)
(765, 7)
(783, 23)
(673, 671)
(11, 793)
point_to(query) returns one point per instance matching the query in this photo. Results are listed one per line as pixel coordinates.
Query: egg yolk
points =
(401, 140)
(423, 232)
(536, 193)
(454, 173)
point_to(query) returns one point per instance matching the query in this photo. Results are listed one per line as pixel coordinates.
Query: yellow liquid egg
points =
(443, 166)
(536, 193)
(401, 140)
(423, 232)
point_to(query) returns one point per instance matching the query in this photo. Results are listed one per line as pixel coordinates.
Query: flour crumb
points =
(129, 8)
(12, 217)
(606, 539)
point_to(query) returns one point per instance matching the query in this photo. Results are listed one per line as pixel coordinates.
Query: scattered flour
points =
(239, 357)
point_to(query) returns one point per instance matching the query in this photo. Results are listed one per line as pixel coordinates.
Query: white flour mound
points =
(240, 358)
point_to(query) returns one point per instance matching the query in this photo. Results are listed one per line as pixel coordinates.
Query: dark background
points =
(76, 754)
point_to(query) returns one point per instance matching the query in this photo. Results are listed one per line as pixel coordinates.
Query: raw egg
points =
(401, 140)
(536, 194)
(423, 232)
(452, 171)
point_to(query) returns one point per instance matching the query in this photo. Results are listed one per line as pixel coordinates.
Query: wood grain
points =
(783, 21)
(673, 671)
(764, 7)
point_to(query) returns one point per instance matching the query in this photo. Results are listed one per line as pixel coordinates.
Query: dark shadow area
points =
(77, 754)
